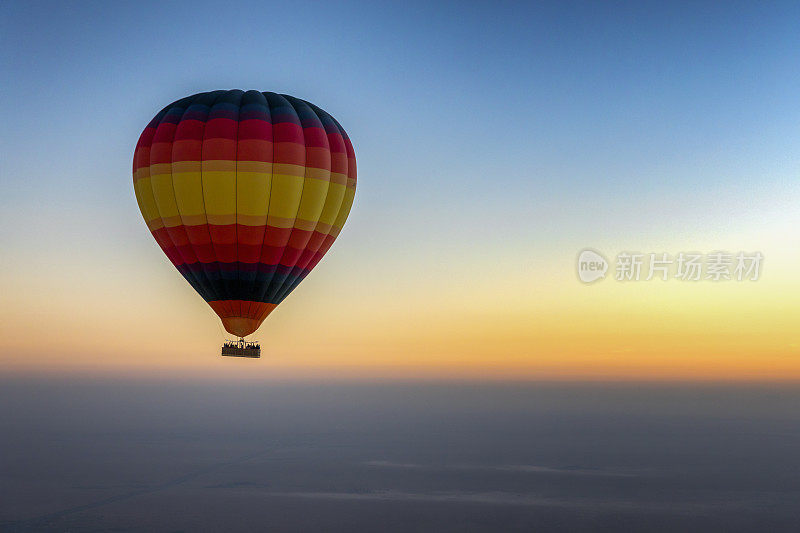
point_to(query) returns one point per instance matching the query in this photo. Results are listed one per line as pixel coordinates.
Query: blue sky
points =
(437, 95)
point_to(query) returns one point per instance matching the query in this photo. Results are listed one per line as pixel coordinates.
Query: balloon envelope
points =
(245, 192)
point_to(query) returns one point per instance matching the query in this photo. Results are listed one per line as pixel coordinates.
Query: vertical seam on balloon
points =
(268, 281)
(160, 214)
(342, 134)
(136, 153)
(137, 157)
(221, 282)
(345, 138)
(239, 273)
(150, 172)
(330, 235)
(172, 184)
(253, 284)
(289, 99)
(278, 262)
(214, 286)
(236, 195)
(319, 111)
(268, 284)
(230, 286)
(286, 287)
(264, 286)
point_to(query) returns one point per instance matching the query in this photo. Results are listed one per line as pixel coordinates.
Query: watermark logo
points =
(684, 266)
(591, 266)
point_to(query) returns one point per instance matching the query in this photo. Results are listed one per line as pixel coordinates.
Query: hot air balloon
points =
(244, 192)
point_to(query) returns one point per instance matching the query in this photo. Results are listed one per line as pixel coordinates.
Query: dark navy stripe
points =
(242, 281)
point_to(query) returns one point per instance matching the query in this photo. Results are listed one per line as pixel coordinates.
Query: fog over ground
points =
(160, 455)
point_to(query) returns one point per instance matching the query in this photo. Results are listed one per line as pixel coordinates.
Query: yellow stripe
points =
(252, 196)
(188, 188)
(344, 211)
(165, 198)
(144, 197)
(313, 200)
(319, 201)
(332, 203)
(219, 192)
(285, 195)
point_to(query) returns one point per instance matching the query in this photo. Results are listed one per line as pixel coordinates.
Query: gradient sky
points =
(494, 142)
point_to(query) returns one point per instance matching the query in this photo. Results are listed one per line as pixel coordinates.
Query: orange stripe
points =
(241, 318)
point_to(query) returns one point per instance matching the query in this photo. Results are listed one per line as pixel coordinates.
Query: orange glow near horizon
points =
(531, 325)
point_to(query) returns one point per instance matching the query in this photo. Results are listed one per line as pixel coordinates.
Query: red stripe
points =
(219, 149)
(288, 132)
(336, 142)
(254, 150)
(189, 130)
(316, 137)
(187, 150)
(160, 153)
(339, 162)
(255, 129)
(189, 244)
(290, 153)
(164, 133)
(221, 128)
(318, 158)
